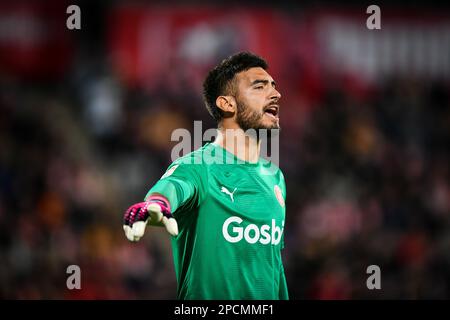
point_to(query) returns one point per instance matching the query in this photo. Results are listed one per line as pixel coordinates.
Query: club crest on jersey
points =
(278, 195)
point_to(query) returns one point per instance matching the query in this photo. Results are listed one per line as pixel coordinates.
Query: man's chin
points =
(262, 124)
(271, 130)
(272, 126)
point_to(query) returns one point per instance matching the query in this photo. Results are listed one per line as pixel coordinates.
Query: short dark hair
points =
(219, 80)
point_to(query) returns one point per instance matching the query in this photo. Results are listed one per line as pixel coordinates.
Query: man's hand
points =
(155, 210)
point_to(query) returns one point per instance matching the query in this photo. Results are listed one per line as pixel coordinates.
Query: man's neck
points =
(236, 141)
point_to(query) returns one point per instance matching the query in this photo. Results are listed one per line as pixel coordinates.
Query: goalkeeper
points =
(226, 217)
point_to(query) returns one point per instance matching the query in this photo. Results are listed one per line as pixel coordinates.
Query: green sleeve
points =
(283, 190)
(283, 185)
(183, 185)
(283, 293)
(177, 191)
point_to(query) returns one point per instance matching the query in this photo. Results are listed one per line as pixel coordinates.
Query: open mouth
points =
(272, 111)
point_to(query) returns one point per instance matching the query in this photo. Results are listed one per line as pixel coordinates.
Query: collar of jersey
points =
(236, 160)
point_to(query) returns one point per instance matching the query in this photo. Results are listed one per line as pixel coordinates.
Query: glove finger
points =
(171, 225)
(138, 228)
(126, 218)
(130, 217)
(155, 212)
(128, 232)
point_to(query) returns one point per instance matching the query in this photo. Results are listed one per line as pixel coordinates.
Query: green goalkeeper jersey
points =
(231, 217)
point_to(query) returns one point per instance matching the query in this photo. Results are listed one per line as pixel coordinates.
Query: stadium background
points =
(86, 117)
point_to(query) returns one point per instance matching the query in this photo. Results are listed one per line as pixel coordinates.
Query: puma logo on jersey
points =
(225, 190)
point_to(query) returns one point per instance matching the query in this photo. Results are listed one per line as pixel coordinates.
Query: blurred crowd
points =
(368, 183)
(370, 186)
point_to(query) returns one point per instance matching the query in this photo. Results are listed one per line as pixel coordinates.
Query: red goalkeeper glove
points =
(155, 210)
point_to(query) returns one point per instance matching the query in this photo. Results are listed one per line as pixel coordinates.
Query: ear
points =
(226, 103)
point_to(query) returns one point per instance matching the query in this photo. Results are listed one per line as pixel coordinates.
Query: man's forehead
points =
(253, 74)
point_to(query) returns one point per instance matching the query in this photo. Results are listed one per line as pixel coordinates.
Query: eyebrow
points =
(265, 82)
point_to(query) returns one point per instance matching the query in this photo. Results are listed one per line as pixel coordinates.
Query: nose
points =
(275, 95)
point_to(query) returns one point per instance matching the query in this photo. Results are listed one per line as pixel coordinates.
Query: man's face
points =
(257, 100)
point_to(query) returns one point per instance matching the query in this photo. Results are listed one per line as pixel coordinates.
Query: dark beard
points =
(247, 118)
